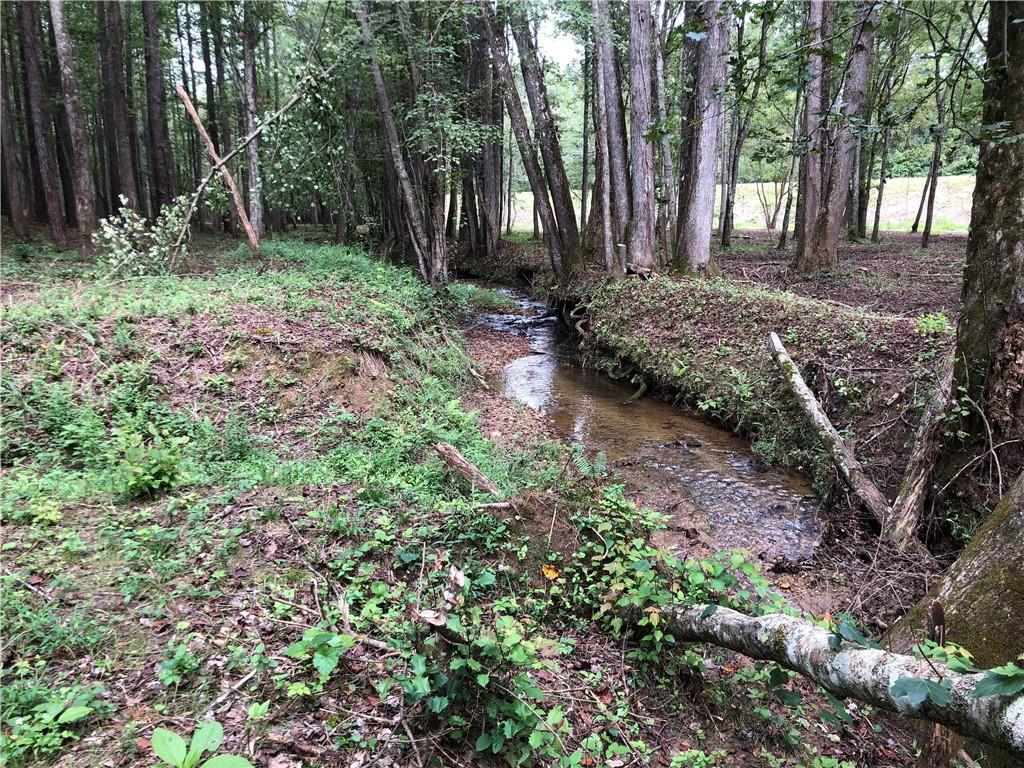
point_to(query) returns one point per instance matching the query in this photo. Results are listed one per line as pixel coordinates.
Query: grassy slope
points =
(216, 484)
(707, 340)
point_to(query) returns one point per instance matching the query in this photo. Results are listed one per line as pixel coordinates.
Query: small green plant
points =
(696, 758)
(172, 750)
(179, 665)
(932, 324)
(42, 730)
(141, 467)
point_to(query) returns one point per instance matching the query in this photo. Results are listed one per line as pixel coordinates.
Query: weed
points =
(207, 737)
(38, 721)
(142, 466)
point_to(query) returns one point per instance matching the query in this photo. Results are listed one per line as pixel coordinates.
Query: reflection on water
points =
(707, 480)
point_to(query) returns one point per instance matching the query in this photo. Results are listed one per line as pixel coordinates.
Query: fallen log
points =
(842, 456)
(466, 468)
(906, 510)
(865, 674)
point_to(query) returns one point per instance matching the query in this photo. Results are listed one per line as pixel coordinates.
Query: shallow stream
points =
(716, 493)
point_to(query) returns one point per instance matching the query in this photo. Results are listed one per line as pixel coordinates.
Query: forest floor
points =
(222, 500)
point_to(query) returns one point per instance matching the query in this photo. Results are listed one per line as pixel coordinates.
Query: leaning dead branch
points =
(454, 459)
(842, 455)
(865, 674)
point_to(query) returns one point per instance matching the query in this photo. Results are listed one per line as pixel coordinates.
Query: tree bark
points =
(823, 250)
(883, 172)
(990, 333)
(12, 179)
(249, 43)
(692, 249)
(547, 138)
(85, 196)
(161, 160)
(667, 203)
(28, 22)
(563, 268)
(587, 98)
(641, 235)
(618, 173)
(112, 65)
(469, 472)
(602, 183)
(212, 123)
(865, 674)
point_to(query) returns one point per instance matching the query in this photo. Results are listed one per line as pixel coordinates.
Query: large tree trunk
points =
(692, 249)
(865, 674)
(588, 97)
(546, 137)
(618, 172)
(252, 150)
(990, 334)
(112, 66)
(161, 161)
(212, 124)
(563, 268)
(28, 22)
(641, 228)
(667, 202)
(85, 196)
(823, 250)
(602, 216)
(491, 162)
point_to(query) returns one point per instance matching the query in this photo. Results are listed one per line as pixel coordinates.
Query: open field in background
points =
(899, 205)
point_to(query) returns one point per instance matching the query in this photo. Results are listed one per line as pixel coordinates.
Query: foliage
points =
(38, 722)
(933, 324)
(128, 246)
(144, 466)
(207, 737)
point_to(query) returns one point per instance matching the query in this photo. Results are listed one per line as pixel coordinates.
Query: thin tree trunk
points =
(29, 24)
(667, 200)
(161, 160)
(641, 235)
(12, 189)
(823, 251)
(792, 167)
(587, 98)
(517, 117)
(924, 198)
(602, 184)
(249, 43)
(85, 196)
(511, 199)
(608, 70)
(692, 250)
(883, 173)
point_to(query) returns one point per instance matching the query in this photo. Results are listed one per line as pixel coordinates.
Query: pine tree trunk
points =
(602, 216)
(249, 43)
(12, 188)
(161, 160)
(883, 172)
(35, 96)
(85, 196)
(587, 98)
(692, 250)
(641, 230)
(667, 202)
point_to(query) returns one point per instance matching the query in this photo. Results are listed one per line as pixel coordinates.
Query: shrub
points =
(127, 245)
(144, 468)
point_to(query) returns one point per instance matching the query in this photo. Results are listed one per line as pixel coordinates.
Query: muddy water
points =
(716, 493)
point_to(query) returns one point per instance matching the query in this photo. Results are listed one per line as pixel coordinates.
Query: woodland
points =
(512, 382)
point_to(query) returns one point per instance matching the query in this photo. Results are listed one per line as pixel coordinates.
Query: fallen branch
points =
(465, 467)
(906, 510)
(865, 674)
(849, 468)
(211, 150)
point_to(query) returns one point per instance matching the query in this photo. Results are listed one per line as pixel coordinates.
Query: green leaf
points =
(851, 633)
(437, 703)
(483, 742)
(74, 714)
(169, 747)
(326, 660)
(994, 684)
(485, 579)
(707, 612)
(912, 689)
(227, 761)
(483, 679)
(206, 738)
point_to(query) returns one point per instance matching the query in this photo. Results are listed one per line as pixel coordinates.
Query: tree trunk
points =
(812, 162)
(823, 251)
(641, 228)
(667, 201)
(120, 140)
(563, 268)
(12, 179)
(429, 252)
(982, 593)
(602, 184)
(493, 116)
(85, 196)
(161, 160)
(249, 43)
(793, 166)
(587, 98)
(547, 138)
(28, 22)
(990, 334)
(865, 674)
(212, 124)
(692, 249)
(618, 173)
(883, 172)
